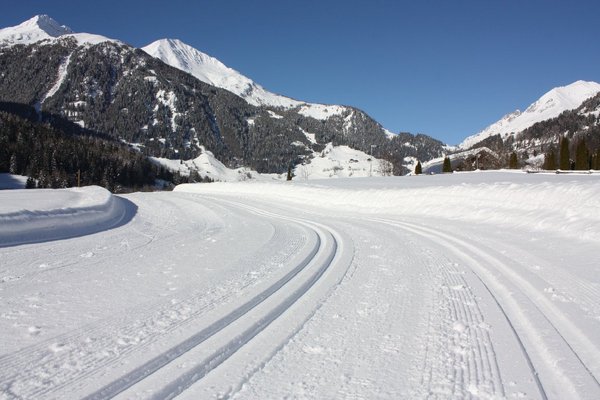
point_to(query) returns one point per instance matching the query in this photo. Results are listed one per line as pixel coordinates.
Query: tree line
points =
(54, 159)
(572, 157)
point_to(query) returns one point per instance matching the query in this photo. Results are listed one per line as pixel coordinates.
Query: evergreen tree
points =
(513, 162)
(13, 164)
(447, 166)
(418, 168)
(550, 160)
(289, 173)
(581, 156)
(564, 155)
(30, 183)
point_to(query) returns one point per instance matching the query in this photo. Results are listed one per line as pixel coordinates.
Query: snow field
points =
(481, 285)
(565, 205)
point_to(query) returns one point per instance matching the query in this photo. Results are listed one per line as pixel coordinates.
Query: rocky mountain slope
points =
(569, 111)
(550, 105)
(111, 88)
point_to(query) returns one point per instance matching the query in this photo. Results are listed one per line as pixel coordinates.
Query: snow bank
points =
(9, 181)
(538, 202)
(34, 215)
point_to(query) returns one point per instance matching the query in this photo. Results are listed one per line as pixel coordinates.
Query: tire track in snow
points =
(314, 265)
(541, 341)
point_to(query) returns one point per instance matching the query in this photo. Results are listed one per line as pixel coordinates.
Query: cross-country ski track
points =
(318, 291)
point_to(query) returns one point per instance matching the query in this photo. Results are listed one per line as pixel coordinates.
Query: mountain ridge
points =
(548, 106)
(115, 89)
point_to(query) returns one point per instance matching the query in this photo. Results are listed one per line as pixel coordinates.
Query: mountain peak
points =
(212, 71)
(40, 27)
(46, 24)
(43, 27)
(550, 105)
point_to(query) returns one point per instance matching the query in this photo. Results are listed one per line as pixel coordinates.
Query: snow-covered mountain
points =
(171, 101)
(43, 28)
(550, 105)
(212, 71)
(33, 30)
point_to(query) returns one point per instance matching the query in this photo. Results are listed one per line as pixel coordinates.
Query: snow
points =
(274, 115)
(311, 137)
(210, 70)
(207, 166)
(62, 73)
(320, 111)
(168, 99)
(42, 28)
(550, 105)
(31, 215)
(339, 162)
(38, 28)
(10, 181)
(389, 134)
(472, 285)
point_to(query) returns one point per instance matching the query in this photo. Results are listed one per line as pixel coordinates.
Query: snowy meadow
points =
(468, 285)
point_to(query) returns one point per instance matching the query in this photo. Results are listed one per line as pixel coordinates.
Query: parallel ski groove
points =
(219, 356)
(452, 243)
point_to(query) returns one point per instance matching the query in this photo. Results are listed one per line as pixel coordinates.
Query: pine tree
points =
(581, 156)
(513, 162)
(564, 155)
(30, 183)
(550, 160)
(447, 166)
(418, 168)
(13, 168)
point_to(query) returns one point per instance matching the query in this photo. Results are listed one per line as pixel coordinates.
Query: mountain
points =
(180, 111)
(38, 28)
(570, 111)
(210, 70)
(550, 105)
(349, 125)
(42, 28)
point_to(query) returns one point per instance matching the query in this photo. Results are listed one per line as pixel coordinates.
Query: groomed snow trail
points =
(248, 291)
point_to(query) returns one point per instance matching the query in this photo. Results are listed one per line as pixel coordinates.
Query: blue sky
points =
(444, 68)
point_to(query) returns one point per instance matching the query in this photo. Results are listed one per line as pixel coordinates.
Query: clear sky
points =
(444, 68)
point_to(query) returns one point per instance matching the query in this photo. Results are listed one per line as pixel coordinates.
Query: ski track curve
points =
(63, 364)
(313, 266)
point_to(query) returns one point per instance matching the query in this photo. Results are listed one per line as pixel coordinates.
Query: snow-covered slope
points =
(342, 162)
(210, 70)
(207, 166)
(462, 286)
(43, 28)
(550, 105)
(332, 162)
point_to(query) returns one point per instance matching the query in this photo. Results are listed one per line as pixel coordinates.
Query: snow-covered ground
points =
(10, 181)
(332, 162)
(475, 285)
